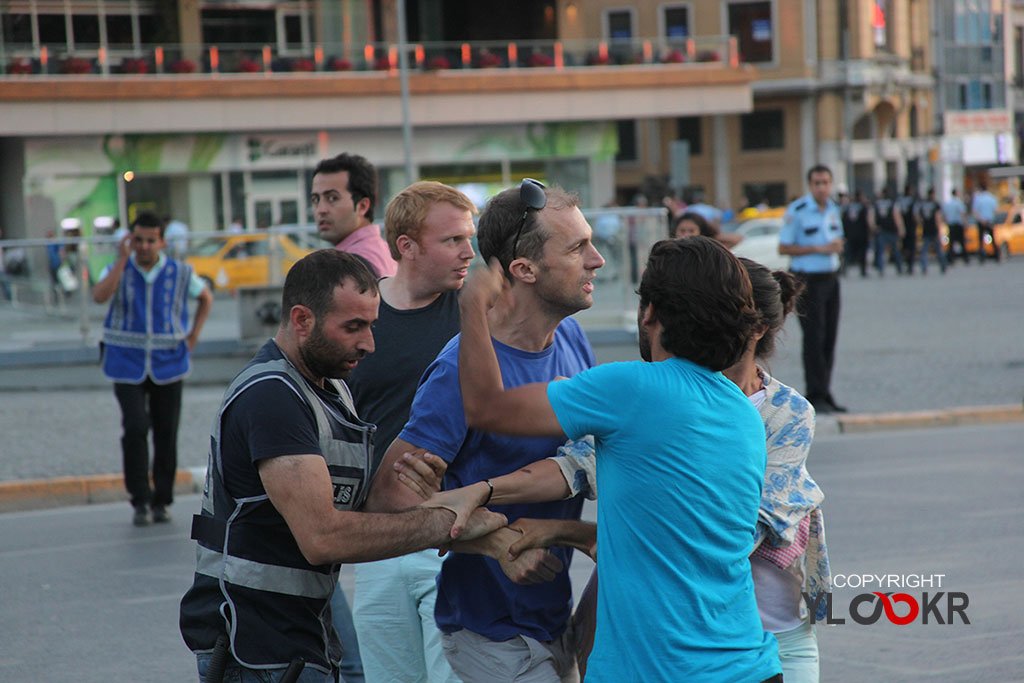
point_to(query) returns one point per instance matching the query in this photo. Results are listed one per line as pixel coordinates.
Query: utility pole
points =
(403, 77)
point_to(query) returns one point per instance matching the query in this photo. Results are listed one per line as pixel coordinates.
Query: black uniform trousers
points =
(143, 407)
(819, 320)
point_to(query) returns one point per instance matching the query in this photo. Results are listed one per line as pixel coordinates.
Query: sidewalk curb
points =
(37, 494)
(950, 417)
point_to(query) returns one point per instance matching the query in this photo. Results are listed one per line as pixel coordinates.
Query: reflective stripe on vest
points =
(264, 577)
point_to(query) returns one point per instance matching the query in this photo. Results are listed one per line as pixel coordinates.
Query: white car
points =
(761, 242)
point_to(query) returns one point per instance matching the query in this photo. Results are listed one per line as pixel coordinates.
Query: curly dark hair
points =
(500, 219)
(775, 294)
(311, 281)
(362, 177)
(702, 296)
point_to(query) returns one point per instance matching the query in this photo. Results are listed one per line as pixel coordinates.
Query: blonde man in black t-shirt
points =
(429, 230)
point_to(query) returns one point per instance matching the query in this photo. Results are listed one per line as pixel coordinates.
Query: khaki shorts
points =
(521, 659)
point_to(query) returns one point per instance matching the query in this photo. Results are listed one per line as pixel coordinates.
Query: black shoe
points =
(821, 406)
(141, 516)
(836, 408)
(161, 515)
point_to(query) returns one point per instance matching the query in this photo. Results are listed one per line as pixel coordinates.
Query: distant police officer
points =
(812, 234)
(955, 211)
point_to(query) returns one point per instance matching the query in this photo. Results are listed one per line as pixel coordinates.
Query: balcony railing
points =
(239, 58)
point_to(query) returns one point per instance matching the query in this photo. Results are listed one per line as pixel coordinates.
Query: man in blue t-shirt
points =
(680, 458)
(494, 627)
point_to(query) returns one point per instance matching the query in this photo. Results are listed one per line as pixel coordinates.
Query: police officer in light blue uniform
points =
(984, 210)
(812, 234)
(955, 211)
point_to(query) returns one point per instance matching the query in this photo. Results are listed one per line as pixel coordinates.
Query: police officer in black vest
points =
(858, 224)
(890, 230)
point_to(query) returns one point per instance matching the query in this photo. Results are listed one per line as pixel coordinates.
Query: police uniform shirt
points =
(954, 211)
(806, 224)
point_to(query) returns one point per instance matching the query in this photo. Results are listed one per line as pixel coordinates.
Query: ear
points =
(362, 206)
(759, 332)
(407, 247)
(301, 320)
(524, 270)
(647, 317)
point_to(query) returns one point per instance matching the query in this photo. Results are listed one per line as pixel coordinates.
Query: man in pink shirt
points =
(343, 197)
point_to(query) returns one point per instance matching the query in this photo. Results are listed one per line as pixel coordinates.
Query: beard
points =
(643, 338)
(325, 359)
(644, 342)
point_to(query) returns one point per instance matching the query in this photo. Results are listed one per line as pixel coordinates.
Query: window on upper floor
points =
(882, 24)
(675, 22)
(975, 22)
(762, 129)
(619, 23)
(751, 24)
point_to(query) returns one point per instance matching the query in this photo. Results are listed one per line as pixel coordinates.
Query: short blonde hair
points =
(405, 213)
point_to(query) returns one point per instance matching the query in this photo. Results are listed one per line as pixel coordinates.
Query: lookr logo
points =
(867, 608)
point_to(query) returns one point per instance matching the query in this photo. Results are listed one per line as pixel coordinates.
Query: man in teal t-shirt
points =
(680, 457)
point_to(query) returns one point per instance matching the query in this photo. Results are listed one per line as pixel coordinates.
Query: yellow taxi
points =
(243, 259)
(1008, 232)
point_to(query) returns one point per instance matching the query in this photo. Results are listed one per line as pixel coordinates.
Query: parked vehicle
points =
(761, 242)
(244, 260)
(1008, 232)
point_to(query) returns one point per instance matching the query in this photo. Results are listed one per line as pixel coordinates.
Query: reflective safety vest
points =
(146, 325)
(252, 582)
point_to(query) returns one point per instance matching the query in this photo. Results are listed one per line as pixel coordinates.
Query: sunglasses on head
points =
(532, 195)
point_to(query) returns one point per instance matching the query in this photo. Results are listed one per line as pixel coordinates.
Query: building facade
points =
(848, 83)
(209, 111)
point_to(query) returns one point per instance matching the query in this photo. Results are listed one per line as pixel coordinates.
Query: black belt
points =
(813, 277)
(209, 531)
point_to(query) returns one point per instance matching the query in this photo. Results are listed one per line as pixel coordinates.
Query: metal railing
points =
(57, 309)
(26, 60)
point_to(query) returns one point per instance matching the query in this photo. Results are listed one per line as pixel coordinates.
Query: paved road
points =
(86, 592)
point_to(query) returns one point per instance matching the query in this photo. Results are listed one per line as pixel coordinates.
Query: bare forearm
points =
(544, 533)
(494, 545)
(104, 289)
(387, 493)
(537, 482)
(578, 534)
(203, 306)
(365, 537)
(483, 383)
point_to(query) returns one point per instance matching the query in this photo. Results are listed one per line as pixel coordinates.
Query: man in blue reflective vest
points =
(147, 342)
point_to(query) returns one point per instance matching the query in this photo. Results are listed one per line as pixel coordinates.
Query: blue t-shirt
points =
(473, 592)
(681, 460)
